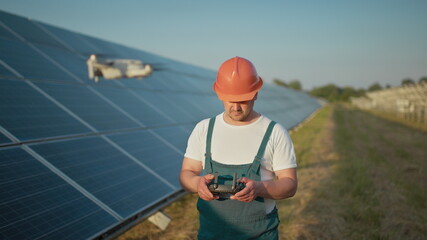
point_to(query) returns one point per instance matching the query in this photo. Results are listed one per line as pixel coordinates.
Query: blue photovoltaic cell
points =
(184, 105)
(27, 114)
(105, 172)
(75, 64)
(102, 47)
(90, 107)
(133, 53)
(72, 40)
(196, 103)
(5, 33)
(188, 128)
(37, 204)
(27, 62)
(4, 72)
(209, 103)
(161, 80)
(153, 152)
(134, 102)
(4, 139)
(164, 100)
(168, 79)
(177, 135)
(27, 29)
(200, 84)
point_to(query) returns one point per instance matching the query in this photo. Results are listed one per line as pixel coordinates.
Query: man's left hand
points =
(249, 193)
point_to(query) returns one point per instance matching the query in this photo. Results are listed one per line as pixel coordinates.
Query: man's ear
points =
(256, 96)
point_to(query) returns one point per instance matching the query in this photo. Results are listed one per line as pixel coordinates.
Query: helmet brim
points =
(238, 97)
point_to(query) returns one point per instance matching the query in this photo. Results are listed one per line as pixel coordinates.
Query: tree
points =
(423, 80)
(360, 92)
(329, 92)
(295, 84)
(280, 82)
(333, 93)
(348, 92)
(375, 87)
(407, 81)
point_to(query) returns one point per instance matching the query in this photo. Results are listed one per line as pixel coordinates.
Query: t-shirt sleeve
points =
(196, 142)
(284, 154)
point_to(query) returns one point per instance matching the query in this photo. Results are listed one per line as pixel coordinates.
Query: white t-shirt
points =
(239, 145)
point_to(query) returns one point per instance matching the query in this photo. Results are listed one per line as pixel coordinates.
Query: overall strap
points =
(208, 154)
(254, 169)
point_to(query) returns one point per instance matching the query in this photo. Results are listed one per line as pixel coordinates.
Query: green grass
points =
(384, 200)
(358, 202)
(303, 138)
(361, 177)
(394, 118)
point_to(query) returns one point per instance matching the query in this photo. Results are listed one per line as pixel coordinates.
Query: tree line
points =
(334, 93)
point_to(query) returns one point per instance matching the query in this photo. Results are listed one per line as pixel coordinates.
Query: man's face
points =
(238, 112)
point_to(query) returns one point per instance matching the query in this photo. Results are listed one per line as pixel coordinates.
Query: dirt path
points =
(307, 215)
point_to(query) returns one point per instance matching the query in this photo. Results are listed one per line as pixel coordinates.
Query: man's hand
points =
(283, 187)
(203, 190)
(249, 193)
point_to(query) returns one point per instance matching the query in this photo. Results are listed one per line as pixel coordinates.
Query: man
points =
(241, 141)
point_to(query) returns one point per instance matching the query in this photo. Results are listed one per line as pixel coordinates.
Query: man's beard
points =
(239, 117)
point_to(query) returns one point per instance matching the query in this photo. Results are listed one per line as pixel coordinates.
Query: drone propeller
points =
(158, 66)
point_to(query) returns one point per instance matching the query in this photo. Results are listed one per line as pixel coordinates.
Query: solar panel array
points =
(80, 159)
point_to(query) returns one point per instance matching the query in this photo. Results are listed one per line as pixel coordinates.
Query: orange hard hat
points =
(237, 80)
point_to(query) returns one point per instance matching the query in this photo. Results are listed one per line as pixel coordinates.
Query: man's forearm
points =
(277, 189)
(189, 180)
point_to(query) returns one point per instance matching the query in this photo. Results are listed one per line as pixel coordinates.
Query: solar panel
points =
(36, 203)
(4, 139)
(29, 63)
(27, 114)
(104, 171)
(26, 30)
(91, 108)
(136, 103)
(82, 160)
(151, 151)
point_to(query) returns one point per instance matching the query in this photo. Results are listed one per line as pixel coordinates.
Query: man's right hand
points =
(203, 190)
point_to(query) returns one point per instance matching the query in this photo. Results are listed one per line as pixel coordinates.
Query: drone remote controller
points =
(225, 190)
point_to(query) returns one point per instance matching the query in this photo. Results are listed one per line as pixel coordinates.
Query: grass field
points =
(360, 177)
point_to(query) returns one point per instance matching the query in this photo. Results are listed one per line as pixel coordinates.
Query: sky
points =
(347, 43)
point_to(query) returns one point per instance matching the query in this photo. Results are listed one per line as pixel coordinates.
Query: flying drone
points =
(117, 68)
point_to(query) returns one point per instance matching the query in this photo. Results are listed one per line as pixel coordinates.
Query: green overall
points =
(233, 219)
